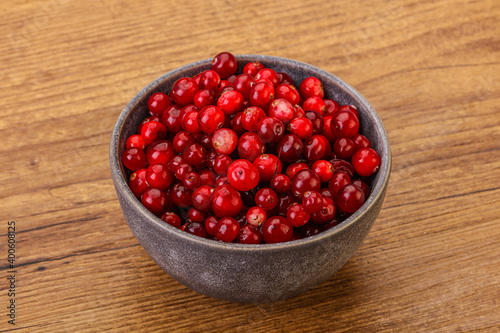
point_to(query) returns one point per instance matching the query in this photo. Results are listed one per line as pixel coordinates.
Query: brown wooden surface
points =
(432, 260)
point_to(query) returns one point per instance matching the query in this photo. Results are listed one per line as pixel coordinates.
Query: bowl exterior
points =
(250, 273)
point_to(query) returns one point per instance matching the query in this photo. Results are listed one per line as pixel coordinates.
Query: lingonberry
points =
(290, 148)
(282, 109)
(252, 68)
(224, 141)
(315, 104)
(160, 152)
(311, 87)
(135, 141)
(316, 120)
(202, 198)
(183, 91)
(243, 175)
(323, 169)
(210, 224)
(230, 102)
(137, 182)
(338, 180)
(153, 131)
(225, 64)
(303, 181)
(172, 219)
(287, 92)
(344, 148)
(210, 119)
(312, 201)
(268, 165)
(366, 161)
(249, 235)
(154, 200)
(326, 213)
(266, 198)
(331, 107)
(181, 196)
(281, 183)
(271, 129)
(209, 79)
(250, 146)
(302, 127)
(256, 216)
(345, 124)
(293, 168)
(350, 198)
(158, 176)
(195, 228)
(277, 229)
(226, 201)
(203, 98)
(251, 117)
(134, 159)
(172, 118)
(297, 216)
(158, 102)
(261, 95)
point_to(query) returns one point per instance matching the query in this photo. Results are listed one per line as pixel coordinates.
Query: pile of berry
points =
(249, 158)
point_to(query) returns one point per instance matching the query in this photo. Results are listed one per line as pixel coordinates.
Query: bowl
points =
(247, 273)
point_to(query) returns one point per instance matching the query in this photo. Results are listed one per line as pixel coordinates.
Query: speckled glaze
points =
(250, 273)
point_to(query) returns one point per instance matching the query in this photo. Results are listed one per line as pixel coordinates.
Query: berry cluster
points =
(249, 158)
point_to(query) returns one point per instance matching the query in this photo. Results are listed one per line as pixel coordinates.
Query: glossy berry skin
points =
(135, 141)
(181, 196)
(210, 119)
(311, 87)
(251, 117)
(227, 229)
(366, 162)
(192, 180)
(225, 64)
(153, 131)
(204, 97)
(172, 219)
(277, 229)
(316, 120)
(158, 176)
(243, 175)
(148, 119)
(285, 78)
(256, 216)
(261, 95)
(160, 152)
(195, 154)
(297, 216)
(290, 148)
(252, 68)
(243, 84)
(327, 129)
(193, 215)
(195, 228)
(270, 74)
(183, 91)
(235, 124)
(345, 124)
(316, 148)
(224, 141)
(292, 169)
(154, 200)
(281, 183)
(221, 164)
(266, 198)
(268, 165)
(250, 146)
(327, 212)
(134, 159)
(323, 169)
(350, 198)
(312, 201)
(301, 127)
(282, 109)
(249, 235)
(190, 122)
(344, 148)
(315, 104)
(230, 102)
(285, 200)
(226, 201)
(351, 108)
(331, 107)
(210, 224)
(338, 180)
(172, 118)
(271, 129)
(303, 181)
(342, 165)
(158, 102)
(361, 141)
(210, 80)
(137, 182)
(181, 140)
(288, 92)
(363, 186)
(202, 198)
(207, 177)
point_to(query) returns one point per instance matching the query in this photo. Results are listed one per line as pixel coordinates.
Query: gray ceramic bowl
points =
(240, 272)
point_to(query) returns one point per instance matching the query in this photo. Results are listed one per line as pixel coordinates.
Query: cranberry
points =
(193, 215)
(361, 141)
(181, 196)
(256, 216)
(227, 229)
(323, 169)
(363, 186)
(292, 169)
(266, 198)
(195, 154)
(285, 200)
(225, 64)
(350, 198)
(182, 170)
(339, 180)
(174, 163)
(341, 165)
(243, 84)
(288, 92)
(158, 176)
(137, 182)
(316, 120)
(281, 183)
(262, 94)
(153, 131)
(344, 148)
(209, 79)
(202, 198)
(207, 177)
(282, 109)
(285, 78)
(206, 140)
(158, 102)
(221, 164)
(315, 104)
(310, 229)
(366, 161)
(190, 122)
(172, 118)
(290, 148)
(134, 159)
(351, 108)
(345, 124)
(210, 119)
(154, 200)
(172, 219)
(277, 229)
(235, 124)
(230, 102)
(312, 201)
(326, 192)
(311, 87)
(243, 175)
(224, 141)
(226, 201)
(135, 141)
(251, 117)
(181, 140)
(249, 235)
(297, 216)
(221, 180)
(327, 129)
(303, 181)
(270, 74)
(210, 224)
(302, 127)
(327, 212)
(195, 228)
(192, 180)
(203, 98)
(183, 91)
(316, 148)
(248, 197)
(268, 165)
(252, 68)
(331, 107)
(160, 152)
(271, 129)
(299, 111)
(250, 146)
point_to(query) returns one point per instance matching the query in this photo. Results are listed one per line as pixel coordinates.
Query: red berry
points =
(261, 95)
(256, 216)
(243, 84)
(252, 68)
(345, 124)
(183, 91)
(210, 80)
(282, 109)
(160, 152)
(344, 148)
(211, 224)
(230, 102)
(350, 198)
(193, 215)
(311, 87)
(172, 118)
(327, 212)
(361, 141)
(302, 127)
(148, 119)
(181, 195)
(227, 229)
(338, 180)
(316, 148)
(225, 64)
(351, 108)
(288, 92)
(158, 102)
(250, 146)
(251, 117)
(271, 129)
(207, 177)
(312, 201)
(277, 229)
(158, 176)
(134, 159)
(363, 186)
(292, 169)
(331, 107)
(323, 169)
(316, 120)
(297, 216)
(270, 74)
(203, 98)
(341, 165)
(243, 175)
(366, 161)
(202, 198)
(154, 200)
(249, 235)
(195, 154)
(224, 141)
(153, 131)
(315, 104)
(281, 183)
(192, 180)
(210, 119)
(137, 182)
(266, 198)
(221, 164)
(172, 219)
(290, 148)
(327, 129)
(226, 201)
(195, 228)
(268, 165)
(135, 141)
(303, 181)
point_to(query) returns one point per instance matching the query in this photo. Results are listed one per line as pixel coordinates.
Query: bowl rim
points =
(377, 191)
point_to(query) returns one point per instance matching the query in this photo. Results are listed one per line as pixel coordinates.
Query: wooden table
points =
(431, 262)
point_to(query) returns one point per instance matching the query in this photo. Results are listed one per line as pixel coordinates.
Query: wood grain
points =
(430, 68)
